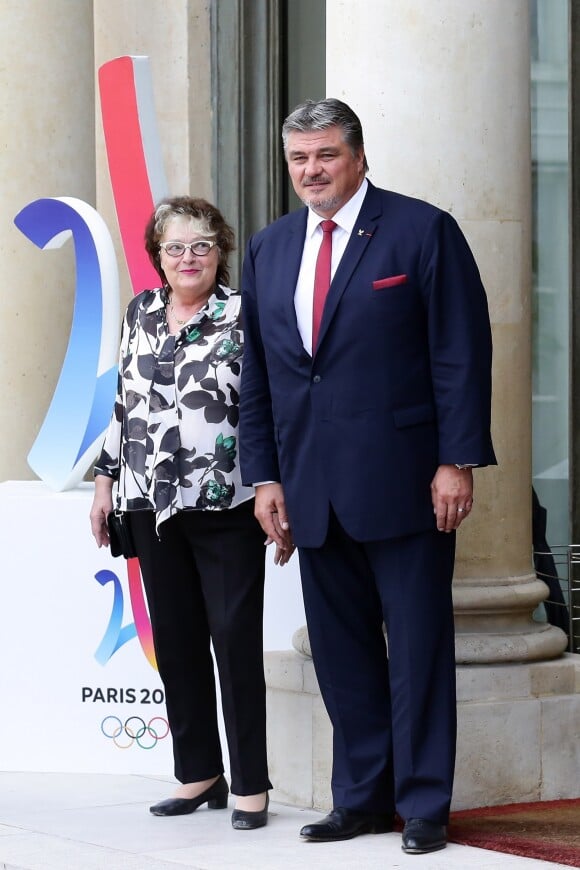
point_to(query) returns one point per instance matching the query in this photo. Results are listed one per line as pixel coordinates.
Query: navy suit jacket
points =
(400, 381)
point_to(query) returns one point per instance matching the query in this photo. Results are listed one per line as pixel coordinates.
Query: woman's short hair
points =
(322, 114)
(207, 215)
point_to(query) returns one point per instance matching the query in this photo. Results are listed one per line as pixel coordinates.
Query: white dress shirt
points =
(345, 219)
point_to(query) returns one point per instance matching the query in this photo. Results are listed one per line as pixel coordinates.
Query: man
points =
(362, 415)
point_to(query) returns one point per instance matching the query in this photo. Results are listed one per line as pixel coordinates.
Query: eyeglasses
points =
(177, 249)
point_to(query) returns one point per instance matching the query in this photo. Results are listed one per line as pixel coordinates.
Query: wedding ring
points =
(460, 510)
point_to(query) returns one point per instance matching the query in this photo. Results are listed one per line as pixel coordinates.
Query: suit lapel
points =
(363, 230)
(294, 245)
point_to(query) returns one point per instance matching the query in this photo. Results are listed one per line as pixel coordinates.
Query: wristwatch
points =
(461, 466)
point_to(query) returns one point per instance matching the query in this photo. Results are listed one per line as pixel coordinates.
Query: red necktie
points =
(321, 278)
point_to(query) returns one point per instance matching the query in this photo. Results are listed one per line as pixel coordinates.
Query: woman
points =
(172, 447)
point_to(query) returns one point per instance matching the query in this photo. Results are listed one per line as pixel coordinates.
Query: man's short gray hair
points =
(322, 114)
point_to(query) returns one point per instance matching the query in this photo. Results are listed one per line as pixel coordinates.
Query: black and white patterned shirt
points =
(177, 408)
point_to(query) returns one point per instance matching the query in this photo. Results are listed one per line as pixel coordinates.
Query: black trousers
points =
(204, 581)
(393, 716)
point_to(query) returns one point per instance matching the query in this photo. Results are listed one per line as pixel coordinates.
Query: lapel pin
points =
(361, 232)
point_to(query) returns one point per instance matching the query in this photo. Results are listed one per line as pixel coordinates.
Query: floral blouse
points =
(177, 408)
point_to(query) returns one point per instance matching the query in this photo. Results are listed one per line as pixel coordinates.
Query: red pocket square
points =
(389, 282)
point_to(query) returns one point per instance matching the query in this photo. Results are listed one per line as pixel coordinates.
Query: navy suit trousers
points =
(393, 714)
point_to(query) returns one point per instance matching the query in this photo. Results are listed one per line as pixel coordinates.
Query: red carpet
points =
(548, 830)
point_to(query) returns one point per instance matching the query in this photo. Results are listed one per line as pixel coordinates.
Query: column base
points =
(517, 727)
(494, 621)
(541, 642)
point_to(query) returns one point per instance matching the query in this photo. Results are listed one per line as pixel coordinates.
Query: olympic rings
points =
(114, 732)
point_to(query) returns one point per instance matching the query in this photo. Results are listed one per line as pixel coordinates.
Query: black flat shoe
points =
(216, 797)
(421, 835)
(344, 824)
(243, 820)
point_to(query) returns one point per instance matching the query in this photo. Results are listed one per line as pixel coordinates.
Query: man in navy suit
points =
(360, 440)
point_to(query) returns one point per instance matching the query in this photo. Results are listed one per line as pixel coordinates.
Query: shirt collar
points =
(346, 215)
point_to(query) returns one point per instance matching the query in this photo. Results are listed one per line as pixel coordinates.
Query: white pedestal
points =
(58, 700)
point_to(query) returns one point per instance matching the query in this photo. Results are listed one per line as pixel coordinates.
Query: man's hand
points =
(270, 511)
(281, 557)
(452, 496)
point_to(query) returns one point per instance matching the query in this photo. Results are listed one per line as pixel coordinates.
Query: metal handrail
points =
(567, 561)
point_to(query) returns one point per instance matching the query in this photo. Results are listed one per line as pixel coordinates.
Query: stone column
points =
(176, 37)
(47, 123)
(442, 90)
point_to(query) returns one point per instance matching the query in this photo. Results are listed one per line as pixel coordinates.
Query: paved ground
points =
(101, 822)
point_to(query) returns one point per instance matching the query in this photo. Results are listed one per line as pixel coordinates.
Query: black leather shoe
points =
(216, 797)
(344, 824)
(420, 835)
(244, 820)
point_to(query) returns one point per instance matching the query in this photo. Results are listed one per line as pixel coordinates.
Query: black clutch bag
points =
(120, 537)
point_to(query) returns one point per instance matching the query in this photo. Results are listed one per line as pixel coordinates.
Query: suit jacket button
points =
(316, 379)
